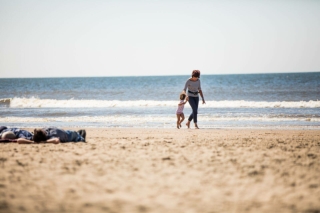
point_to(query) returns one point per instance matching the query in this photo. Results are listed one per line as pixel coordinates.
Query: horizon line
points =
(262, 73)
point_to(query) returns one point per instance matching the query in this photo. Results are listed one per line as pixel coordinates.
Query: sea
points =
(272, 101)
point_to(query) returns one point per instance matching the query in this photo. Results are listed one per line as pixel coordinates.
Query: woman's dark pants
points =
(194, 103)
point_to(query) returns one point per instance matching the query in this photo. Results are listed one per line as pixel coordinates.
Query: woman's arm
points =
(186, 86)
(25, 141)
(53, 140)
(201, 94)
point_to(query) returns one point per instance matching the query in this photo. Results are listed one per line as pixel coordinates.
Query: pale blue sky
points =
(40, 38)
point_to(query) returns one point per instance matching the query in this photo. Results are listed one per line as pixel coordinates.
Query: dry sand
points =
(165, 170)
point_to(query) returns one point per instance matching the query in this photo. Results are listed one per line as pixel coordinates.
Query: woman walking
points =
(194, 88)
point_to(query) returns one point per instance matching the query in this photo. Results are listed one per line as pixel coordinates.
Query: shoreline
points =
(73, 127)
(181, 129)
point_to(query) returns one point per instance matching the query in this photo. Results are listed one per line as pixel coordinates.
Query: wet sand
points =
(165, 170)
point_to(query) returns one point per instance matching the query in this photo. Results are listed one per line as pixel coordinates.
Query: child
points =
(179, 112)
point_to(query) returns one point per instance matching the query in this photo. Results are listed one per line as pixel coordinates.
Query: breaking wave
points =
(71, 103)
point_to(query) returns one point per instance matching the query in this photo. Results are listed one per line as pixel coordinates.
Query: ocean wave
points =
(71, 103)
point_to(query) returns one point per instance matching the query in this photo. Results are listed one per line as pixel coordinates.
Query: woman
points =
(194, 88)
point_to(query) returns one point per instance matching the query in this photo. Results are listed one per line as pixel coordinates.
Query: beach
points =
(165, 170)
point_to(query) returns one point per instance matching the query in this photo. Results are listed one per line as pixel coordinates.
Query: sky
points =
(70, 38)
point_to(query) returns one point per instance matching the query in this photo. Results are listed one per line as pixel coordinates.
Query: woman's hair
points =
(196, 73)
(39, 135)
(182, 96)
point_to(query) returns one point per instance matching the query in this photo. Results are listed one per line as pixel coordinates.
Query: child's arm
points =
(187, 99)
(182, 103)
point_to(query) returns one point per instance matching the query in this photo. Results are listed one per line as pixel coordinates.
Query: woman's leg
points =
(195, 111)
(195, 117)
(194, 102)
(191, 101)
(74, 136)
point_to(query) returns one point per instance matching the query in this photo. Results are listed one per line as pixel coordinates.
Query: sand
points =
(165, 170)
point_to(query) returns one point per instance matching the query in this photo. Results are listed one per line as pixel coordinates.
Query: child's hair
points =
(182, 96)
(39, 135)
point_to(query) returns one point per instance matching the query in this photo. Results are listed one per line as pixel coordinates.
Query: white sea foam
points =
(135, 119)
(71, 103)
